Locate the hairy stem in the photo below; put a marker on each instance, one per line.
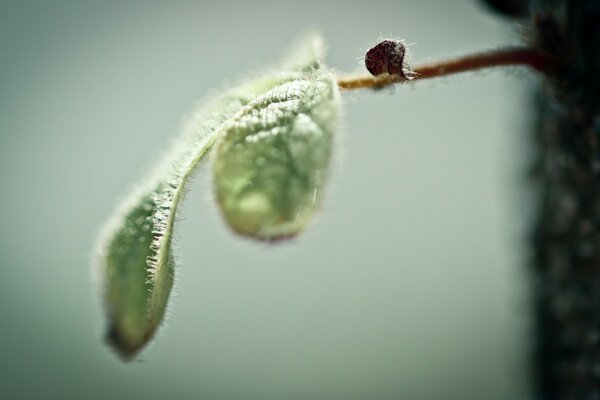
(523, 56)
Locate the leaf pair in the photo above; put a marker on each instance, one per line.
(272, 142)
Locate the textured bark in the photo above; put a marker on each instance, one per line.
(565, 269)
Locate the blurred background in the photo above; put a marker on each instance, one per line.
(411, 283)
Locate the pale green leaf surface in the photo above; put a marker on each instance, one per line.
(135, 259)
(271, 162)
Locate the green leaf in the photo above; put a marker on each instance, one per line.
(135, 258)
(272, 159)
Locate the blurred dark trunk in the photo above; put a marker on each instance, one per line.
(565, 269)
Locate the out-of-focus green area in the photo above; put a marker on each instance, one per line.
(409, 285)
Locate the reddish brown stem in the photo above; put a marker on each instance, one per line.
(523, 56)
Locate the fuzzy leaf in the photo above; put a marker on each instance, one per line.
(135, 259)
(272, 159)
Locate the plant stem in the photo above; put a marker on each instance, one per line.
(523, 56)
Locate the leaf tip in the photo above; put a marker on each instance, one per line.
(123, 347)
(307, 52)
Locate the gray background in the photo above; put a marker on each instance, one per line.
(409, 285)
